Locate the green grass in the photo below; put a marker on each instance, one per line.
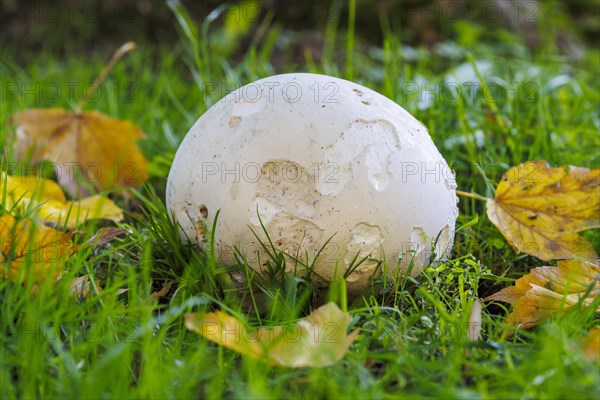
(413, 332)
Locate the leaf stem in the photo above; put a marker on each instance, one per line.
(126, 48)
(471, 195)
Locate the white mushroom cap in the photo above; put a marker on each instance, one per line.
(319, 158)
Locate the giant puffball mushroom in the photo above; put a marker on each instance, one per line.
(330, 169)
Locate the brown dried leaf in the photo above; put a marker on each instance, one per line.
(105, 235)
(164, 291)
(100, 149)
(81, 287)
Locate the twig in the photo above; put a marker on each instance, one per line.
(126, 48)
(471, 195)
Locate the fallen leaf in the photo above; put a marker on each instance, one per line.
(89, 145)
(590, 345)
(545, 291)
(44, 250)
(105, 235)
(162, 292)
(475, 321)
(318, 340)
(81, 287)
(39, 247)
(540, 210)
(25, 191)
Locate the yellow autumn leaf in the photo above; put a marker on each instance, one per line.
(89, 145)
(42, 249)
(26, 243)
(540, 210)
(545, 291)
(25, 191)
(318, 340)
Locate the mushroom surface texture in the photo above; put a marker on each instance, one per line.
(329, 168)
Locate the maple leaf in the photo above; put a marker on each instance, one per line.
(41, 248)
(89, 145)
(545, 291)
(25, 191)
(318, 340)
(540, 210)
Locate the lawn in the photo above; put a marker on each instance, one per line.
(493, 92)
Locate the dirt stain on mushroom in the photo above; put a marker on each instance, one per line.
(234, 121)
(234, 191)
(289, 186)
(197, 220)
